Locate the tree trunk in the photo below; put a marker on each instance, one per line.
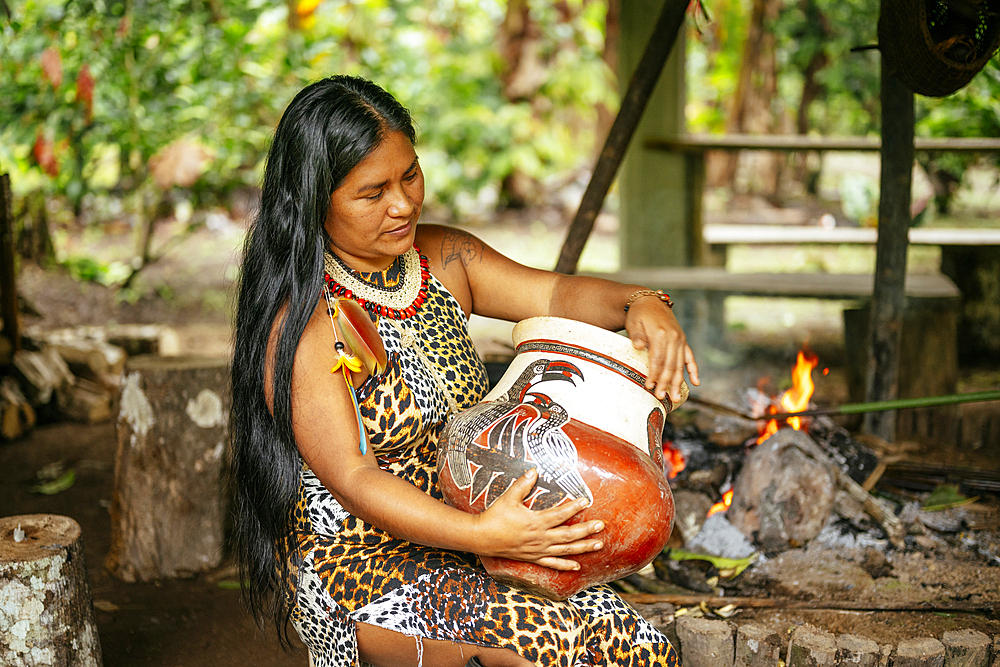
(47, 615)
(519, 41)
(612, 33)
(8, 273)
(33, 240)
(523, 73)
(294, 23)
(756, 89)
(167, 510)
(812, 90)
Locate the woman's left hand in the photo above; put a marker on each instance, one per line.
(652, 326)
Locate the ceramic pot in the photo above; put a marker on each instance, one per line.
(573, 405)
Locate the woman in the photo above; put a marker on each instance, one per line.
(353, 543)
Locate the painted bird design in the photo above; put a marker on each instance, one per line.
(552, 450)
(459, 433)
(528, 436)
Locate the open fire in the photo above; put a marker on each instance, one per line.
(795, 399)
(799, 519)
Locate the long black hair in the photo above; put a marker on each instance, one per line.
(328, 128)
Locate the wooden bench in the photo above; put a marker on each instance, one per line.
(699, 291)
(929, 330)
(969, 257)
(699, 143)
(719, 236)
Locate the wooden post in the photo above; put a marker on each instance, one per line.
(705, 642)
(8, 274)
(966, 648)
(167, 509)
(661, 43)
(757, 646)
(857, 651)
(46, 610)
(888, 297)
(810, 647)
(920, 652)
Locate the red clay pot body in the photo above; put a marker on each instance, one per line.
(573, 405)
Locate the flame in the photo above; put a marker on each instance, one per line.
(722, 505)
(797, 398)
(673, 459)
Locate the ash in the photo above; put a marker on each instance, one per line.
(836, 536)
(718, 537)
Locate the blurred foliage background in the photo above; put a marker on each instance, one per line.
(139, 109)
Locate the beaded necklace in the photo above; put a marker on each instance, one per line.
(396, 292)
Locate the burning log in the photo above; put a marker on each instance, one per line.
(785, 492)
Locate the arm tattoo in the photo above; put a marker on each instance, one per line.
(460, 246)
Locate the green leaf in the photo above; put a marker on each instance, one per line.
(57, 485)
(722, 564)
(946, 496)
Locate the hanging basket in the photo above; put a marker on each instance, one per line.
(912, 54)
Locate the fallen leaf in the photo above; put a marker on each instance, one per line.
(57, 485)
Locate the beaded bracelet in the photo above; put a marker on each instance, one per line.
(665, 298)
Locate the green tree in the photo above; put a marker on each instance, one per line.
(97, 89)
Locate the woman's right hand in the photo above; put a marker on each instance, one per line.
(508, 529)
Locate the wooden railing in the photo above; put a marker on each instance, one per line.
(694, 143)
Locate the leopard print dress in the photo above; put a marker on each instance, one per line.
(349, 572)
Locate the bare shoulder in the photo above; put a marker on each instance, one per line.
(450, 252)
(449, 248)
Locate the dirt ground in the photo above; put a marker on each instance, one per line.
(199, 622)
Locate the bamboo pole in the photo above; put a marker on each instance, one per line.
(895, 404)
(859, 408)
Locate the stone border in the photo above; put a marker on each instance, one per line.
(704, 642)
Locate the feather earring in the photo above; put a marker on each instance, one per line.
(353, 324)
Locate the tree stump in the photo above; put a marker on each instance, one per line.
(46, 610)
(757, 646)
(966, 648)
(705, 642)
(920, 652)
(860, 651)
(167, 511)
(811, 647)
